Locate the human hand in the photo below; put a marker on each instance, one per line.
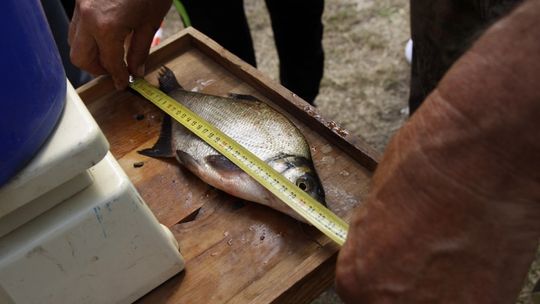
(103, 31)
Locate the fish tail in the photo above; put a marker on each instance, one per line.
(167, 80)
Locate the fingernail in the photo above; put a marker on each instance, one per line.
(140, 70)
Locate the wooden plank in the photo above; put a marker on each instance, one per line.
(236, 252)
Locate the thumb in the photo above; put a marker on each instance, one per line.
(138, 49)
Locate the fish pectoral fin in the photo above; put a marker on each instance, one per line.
(222, 164)
(167, 80)
(162, 148)
(243, 97)
(188, 161)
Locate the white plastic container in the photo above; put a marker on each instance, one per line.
(101, 246)
(76, 145)
(72, 231)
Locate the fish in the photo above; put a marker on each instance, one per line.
(262, 130)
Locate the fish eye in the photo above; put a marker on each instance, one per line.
(304, 183)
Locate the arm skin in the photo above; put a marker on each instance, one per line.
(102, 30)
(453, 215)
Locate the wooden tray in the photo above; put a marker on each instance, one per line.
(236, 252)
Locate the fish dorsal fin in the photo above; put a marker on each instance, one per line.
(243, 97)
(167, 80)
(162, 148)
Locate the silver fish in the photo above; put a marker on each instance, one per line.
(252, 123)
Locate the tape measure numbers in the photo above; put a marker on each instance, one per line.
(310, 209)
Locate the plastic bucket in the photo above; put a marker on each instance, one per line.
(32, 84)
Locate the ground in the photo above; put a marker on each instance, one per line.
(366, 80)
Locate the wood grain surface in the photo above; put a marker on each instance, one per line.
(235, 251)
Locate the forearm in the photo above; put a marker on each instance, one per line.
(454, 210)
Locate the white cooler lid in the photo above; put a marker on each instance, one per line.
(76, 145)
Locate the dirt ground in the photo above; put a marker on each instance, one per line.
(366, 79)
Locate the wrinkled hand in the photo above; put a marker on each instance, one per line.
(102, 31)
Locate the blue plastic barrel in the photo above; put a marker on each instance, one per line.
(32, 84)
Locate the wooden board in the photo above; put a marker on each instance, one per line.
(235, 251)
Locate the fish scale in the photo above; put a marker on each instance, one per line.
(257, 118)
(279, 186)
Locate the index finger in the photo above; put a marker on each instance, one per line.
(111, 55)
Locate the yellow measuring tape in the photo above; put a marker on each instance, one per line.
(310, 209)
